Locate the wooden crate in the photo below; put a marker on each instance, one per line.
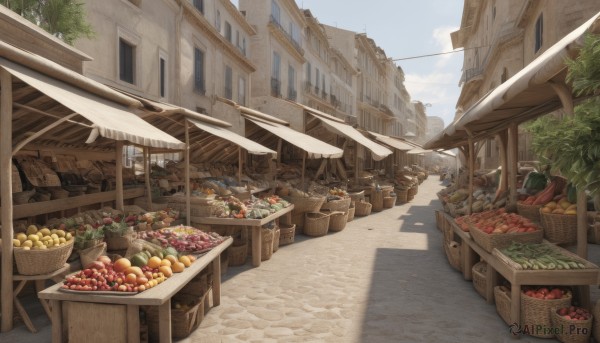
(107, 323)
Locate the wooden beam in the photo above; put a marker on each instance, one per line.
(188, 190)
(239, 164)
(35, 110)
(119, 175)
(147, 171)
(303, 169)
(37, 134)
(502, 139)
(471, 172)
(513, 159)
(279, 143)
(6, 213)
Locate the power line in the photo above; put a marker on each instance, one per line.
(421, 56)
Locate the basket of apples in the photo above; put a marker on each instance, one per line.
(573, 324)
(536, 307)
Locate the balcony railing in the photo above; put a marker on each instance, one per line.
(471, 73)
(275, 87)
(324, 95)
(292, 94)
(296, 44)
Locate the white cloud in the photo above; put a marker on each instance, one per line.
(441, 36)
(437, 88)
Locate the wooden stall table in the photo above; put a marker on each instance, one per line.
(159, 296)
(517, 278)
(255, 224)
(40, 283)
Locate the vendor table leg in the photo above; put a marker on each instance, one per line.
(56, 321)
(491, 278)
(515, 303)
(216, 288)
(20, 308)
(133, 324)
(164, 322)
(39, 286)
(469, 260)
(584, 297)
(256, 246)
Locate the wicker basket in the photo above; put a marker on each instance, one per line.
(401, 196)
(412, 191)
(502, 240)
(362, 208)
(357, 196)
(376, 199)
(389, 202)
(559, 228)
(266, 251)
(479, 277)
(337, 205)
(20, 198)
(531, 212)
(453, 254)
(17, 185)
(38, 262)
(596, 326)
(276, 236)
(387, 191)
(286, 234)
(316, 224)
(183, 320)
(351, 212)
(573, 331)
(503, 302)
(537, 313)
(90, 255)
(117, 242)
(303, 205)
(337, 220)
(237, 254)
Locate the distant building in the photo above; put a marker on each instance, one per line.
(434, 126)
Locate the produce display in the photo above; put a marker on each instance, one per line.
(482, 200)
(41, 239)
(541, 256)
(496, 222)
(255, 208)
(547, 293)
(574, 313)
(562, 206)
(553, 191)
(182, 239)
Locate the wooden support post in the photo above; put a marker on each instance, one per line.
(513, 160)
(240, 164)
(6, 214)
(188, 190)
(356, 162)
(471, 172)
(279, 143)
(503, 140)
(147, 179)
(119, 175)
(303, 168)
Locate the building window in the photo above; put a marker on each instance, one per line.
(275, 12)
(317, 77)
(162, 65)
(237, 39)
(199, 4)
(291, 83)
(539, 32)
(126, 61)
(199, 70)
(228, 31)
(218, 21)
(275, 75)
(242, 91)
(308, 74)
(228, 83)
(244, 45)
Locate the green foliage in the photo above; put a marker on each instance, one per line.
(62, 18)
(572, 145)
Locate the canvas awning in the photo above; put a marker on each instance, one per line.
(526, 95)
(314, 147)
(109, 119)
(393, 142)
(251, 146)
(378, 152)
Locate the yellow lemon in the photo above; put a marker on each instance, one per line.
(27, 244)
(33, 237)
(16, 243)
(60, 233)
(32, 229)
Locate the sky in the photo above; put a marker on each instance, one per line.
(407, 28)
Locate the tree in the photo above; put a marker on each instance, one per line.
(572, 145)
(62, 18)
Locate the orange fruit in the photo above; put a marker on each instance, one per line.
(185, 260)
(178, 267)
(172, 258)
(165, 262)
(154, 262)
(121, 264)
(131, 278)
(134, 270)
(166, 270)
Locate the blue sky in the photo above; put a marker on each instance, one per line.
(407, 28)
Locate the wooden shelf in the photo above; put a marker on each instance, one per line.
(242, 222)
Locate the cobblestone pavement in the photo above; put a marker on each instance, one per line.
(384, 278)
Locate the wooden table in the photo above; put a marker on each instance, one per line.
(157, 296)
(517, 278)
(255, 224)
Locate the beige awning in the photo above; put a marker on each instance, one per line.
(417, 150)
(314, 147)
(109, 119)
(393, 142)
(378, 152)
(251, 146)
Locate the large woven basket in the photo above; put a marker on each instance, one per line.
(389, 202)
(337, 220)
(117, 242)
(337, 205)
(38, 262)
(316, 224)
(502, 240)
(559, 228)
(596, 326)
(376, 199)
(575, 331)
(362, 208)
(20, 198)
(537, 313)
(503, 302)
(412, 191)
(387, 190)
(287, 234)
(453, 254)
(401, 196)
(17, 185)
(479, 277)
(183, 320)
(237, 254)
(303, 205)
(266, 251)
(531, 212)
(357, 196)
(276, 236)
(351, 212)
